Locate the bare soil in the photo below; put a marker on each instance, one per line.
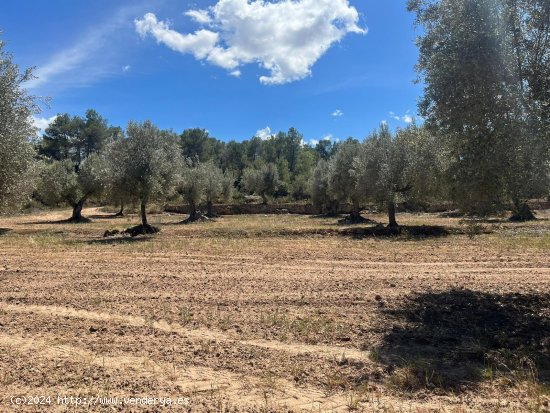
(276, 313)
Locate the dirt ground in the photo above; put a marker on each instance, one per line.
(274, 313)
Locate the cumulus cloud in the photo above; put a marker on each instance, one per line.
(264, 134)
(42, 123)
(200, 44)
(126, 68)
(407, 118)
(286, 37)
(337, 113)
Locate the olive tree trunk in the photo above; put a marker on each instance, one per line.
(144, 214)
(210, 209)
(77, 211)
(391, 215)
(522, 212)
(193, 214)
(355, 215)
(120, 213)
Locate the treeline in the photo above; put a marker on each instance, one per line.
(81, 158)
(84, 157)
(483, 146)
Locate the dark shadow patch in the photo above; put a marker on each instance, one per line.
(455, 339)
(325, 216)
(351, 220)
(4, 231)
(105, 217)
(196, 219)
(141, 230)
(118, 240)
(62, 221)
(405, 232)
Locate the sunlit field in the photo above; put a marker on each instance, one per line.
(276, 313)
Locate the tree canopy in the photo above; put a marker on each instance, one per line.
(16, 132)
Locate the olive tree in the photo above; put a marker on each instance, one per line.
(61, 182)
(263, 181)
(342, 181)
(118, 188)
(16, 129)
(321, 197)
(149, 161)
(191, 185)
(484, 64)
(395, 168)
(218, 186)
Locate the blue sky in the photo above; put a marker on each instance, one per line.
(234, 67)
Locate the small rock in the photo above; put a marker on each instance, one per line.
(378, 298)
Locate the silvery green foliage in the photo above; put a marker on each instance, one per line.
(263, 181)
(408, 166)
(379, 165)
(213, 182)
(148, 162)
(228, 187)
(485, 65)
(60, 182)
(218, 186)
(118, 187)
(319, 187)
(192, 183)
(342, 181)
(16, 129)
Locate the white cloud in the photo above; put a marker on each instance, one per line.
(235, 73)
(200, 16)
(42, 123)
(394, 116)
(286, 37)
(407, 118)
(328, 137)
(384, 123)
(200, 43)
(314, 142)
(126, 68)
(337, 113)
(264, 134)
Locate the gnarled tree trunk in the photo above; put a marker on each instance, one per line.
(210, 209)
(144, 228)
(391, 215)
(522, 212)
(355, 215)
(120, 213)
(77, 212)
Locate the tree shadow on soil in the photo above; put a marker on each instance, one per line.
(4, 231)
(60, 221)
(414, 232)
(103, 216)
(118, 241)
(458, 338)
